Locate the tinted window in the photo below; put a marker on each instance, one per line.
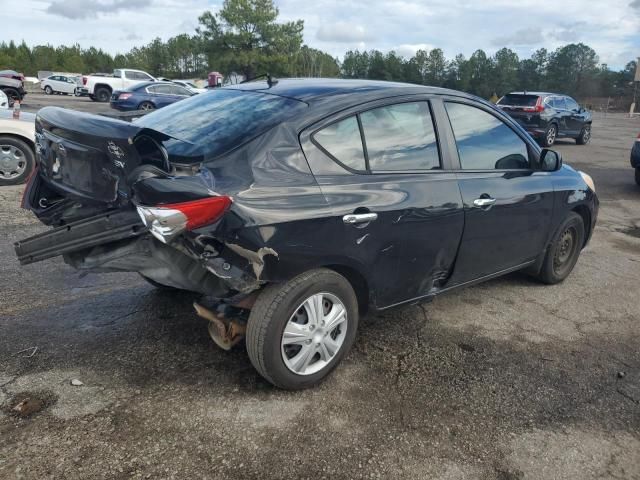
(163, 89)
(518, 100)
(219, 120)
(400, 137)
(572, 104)
(177, 90)
(559, 103)
(485, 142)
(343, 142)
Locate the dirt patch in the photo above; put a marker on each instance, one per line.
(26, 404)
(631, 231)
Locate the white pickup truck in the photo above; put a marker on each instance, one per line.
(100, 86)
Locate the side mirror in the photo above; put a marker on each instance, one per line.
(550, 160)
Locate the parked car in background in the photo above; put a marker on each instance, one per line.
(304, 203)
(17, 147)
(148, 96)
(4, 100)
(189, 86)
(99, 87)
(548, 116)
(12, 84)
(635, 158)
(60, 84)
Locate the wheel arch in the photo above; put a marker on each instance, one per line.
(102, 85)
(357, 281)
(27, 140)
(585, 214)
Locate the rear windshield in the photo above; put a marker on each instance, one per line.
(221, 119)
(519, 100)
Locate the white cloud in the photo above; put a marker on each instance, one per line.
(343, 32)
(408, 50)
(79, 9)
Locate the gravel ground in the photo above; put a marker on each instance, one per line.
(507, 380)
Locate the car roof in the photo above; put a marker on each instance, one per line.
(138, 86)
(537, 93)
(311, 90)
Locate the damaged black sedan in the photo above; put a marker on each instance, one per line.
(297, 205)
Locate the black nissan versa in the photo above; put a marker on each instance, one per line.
(548, 116)
(299, 204)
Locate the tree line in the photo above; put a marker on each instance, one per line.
(245, 37)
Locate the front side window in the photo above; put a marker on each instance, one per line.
(177, 90)
(342, 141)
(559, 103)
(572, 104)
(400, 137)
(484, 141)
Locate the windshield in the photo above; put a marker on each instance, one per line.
(519, 100)
(221, 119)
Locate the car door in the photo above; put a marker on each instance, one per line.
(508, 202)
(576, 117)
(563, 116)
(54, 82)
(396, 212)
(65, 85)
(163, 95)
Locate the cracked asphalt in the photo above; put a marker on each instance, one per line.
(507, 380)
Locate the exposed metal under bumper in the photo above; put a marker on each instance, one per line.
(101, 229)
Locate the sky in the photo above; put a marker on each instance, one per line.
(611, 27)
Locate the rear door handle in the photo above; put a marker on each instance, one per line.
(484, 202)
(354, 218)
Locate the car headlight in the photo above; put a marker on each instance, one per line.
(588, 180)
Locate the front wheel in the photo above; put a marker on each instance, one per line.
(550, 135)
(564, 250)
(299, 331)
(585, 135)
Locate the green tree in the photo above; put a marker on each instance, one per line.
(245, 37)
(505, 68)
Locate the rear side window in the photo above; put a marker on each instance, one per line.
(221, 119)
(484, 141)
(342, 141)
(400, 137)
(516, 100)
(559, 103)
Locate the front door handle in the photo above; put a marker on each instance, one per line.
(354, 218)
(484, 202)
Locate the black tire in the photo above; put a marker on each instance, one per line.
(13, 95)
(585, 135)
(48, 90)
(638, 175)
(564, 250)
(146, 106)
(272, 311)
(550, 135)
(28, 156)
(103, 94)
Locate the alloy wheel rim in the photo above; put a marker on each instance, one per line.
(551, 136)
(314, 334)
(586, 135)
(564, 250)
(12, 162)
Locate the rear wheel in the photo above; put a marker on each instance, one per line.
(48, 90)
(16, 161)
(13, 95)
(103, 94)
(585, 135)
(550, 135)
(564, 250)
(299, 331)
(146, 106)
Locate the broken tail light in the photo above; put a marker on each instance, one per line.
(165, 222)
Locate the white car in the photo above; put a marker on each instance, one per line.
(99, 87)
(59, 84)
(4, 100)
(189, 86)
(17, 147)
